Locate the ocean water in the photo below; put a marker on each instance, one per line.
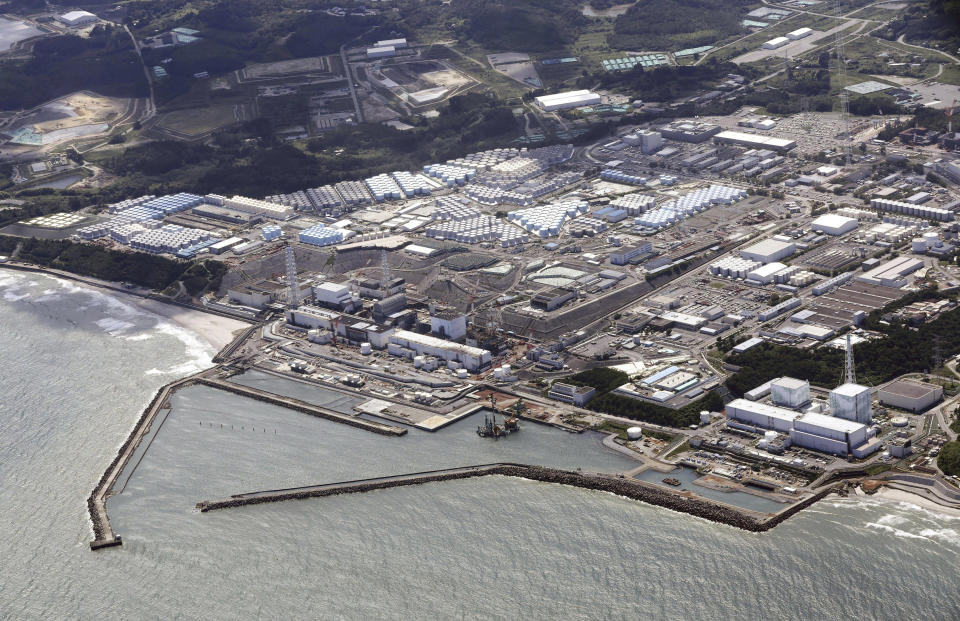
(77, 367)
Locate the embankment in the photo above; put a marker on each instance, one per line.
(683, 502)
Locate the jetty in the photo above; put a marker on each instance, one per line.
(684, 502)
(302, 406)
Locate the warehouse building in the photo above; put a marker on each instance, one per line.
(768, 251)
(799, 33)
(754, 141)
(892, 273)
(775, 43)
(910, 395)
(74, 19)
(566, 100)
(623, 256)
(387, 51)
(552, 299)
(833, 224)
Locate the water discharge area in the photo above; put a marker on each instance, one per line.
(486, 547)
(266, 443)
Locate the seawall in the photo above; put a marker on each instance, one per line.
(626, 487)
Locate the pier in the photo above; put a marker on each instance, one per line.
(302, 406)
(684, 502)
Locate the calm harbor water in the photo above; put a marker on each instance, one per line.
(12, 31)
(78, 367)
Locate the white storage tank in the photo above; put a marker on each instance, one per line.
(635, 433)
(366, 349)
(704, 417)
(462, 374)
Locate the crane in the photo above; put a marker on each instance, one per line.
(950, 116)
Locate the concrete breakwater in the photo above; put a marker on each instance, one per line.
(621, 486)
(302, 406)
(103, 533)
(104, 536)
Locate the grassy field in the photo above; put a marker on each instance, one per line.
(198, 120)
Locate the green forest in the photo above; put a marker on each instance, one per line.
(902, 350)
(153, 271)
(234, 164)
(606, 379)
(675, 24)
(105, 62)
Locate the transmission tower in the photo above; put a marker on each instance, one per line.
(384, 271)
(842, 82)
(293, 298)
(850, 370)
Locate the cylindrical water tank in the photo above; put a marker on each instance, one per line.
(634, 433)
(366, 349)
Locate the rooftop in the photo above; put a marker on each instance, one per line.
(909, 388)
(831, 422)
(850, 390)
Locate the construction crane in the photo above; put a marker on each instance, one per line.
(950, 117)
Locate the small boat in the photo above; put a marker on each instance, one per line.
(672, 481)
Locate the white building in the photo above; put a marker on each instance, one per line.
(409, 344)
(332, 294)
(577, 395)
(761, 415)
(754, 141)
(768, 250)
(396, 44)
(386, 51)
(649, 141)
(799, 33)
(828, 433)
(257, 206)
(910, 395)
(851, 402)
(833, 224)
(790, 392)
(568, 99)
(448, 325)
(77, 18)
(775, 43)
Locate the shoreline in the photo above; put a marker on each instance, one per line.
(886, 492)
(215, 330)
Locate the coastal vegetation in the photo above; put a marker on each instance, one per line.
(675, 24)
(606, 379)
(147, 270)
(949, 458)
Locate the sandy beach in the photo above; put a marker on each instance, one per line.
(889, 493)
(214, 329)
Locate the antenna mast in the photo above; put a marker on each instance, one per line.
(851, 372)
(842, 81)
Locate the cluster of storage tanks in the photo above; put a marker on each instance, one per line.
(271, 232)
(689, 204)
(734, 267)
(635, 204)
(485, 160)
(140, 210)
(171, 239)
(546, 220)
(319, 235)
(383, 188)
(920, 211)
(412, 185)
(450, 174)
(587, 226)
(619, 176)
(480, 228)
(453, 208)
(926, 242)
(496, 196)
(504, 373)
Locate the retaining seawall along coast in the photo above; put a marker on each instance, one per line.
(302, 406)
(628, 488)
(103, 534)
